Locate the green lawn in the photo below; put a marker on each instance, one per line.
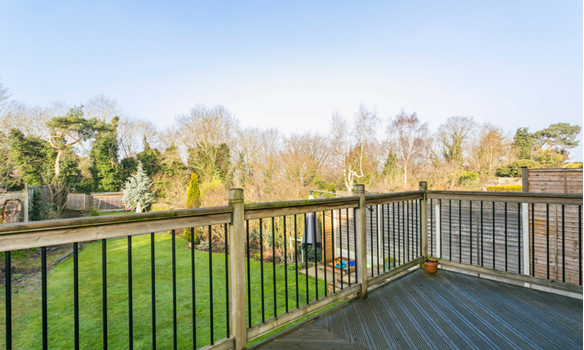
(27, 333)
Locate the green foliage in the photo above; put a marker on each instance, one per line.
(33, 156)
(171, 163)
(212, 163)
(85, 187)
(197, 236)
(93, 212)
(574, 165)
(390, 167)
(137, 190)
(524, 143)
(74, 127)
(468, 177)
(561, 135)
(510, 188)
(150, 159)
(514, 169)
(194, 193)
(551, 157)
(129, 166)
(36, 207)
(105, 170)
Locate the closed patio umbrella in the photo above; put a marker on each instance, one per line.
(311, 235)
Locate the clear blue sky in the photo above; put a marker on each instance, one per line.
(291, 64)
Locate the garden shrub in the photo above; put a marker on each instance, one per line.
(510, 188)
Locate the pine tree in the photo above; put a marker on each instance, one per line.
(137, 193)
(194, 193)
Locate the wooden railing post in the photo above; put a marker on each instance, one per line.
(237, 269)
(361, 232)
(424, 218)
(525, 223)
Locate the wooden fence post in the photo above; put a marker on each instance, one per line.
(423, 185)
(361, 232)
(525, 223)
(237, 269)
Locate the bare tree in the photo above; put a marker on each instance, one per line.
(408, 139)
(205, 129)
(350, 146)
(490, 150)
(102, 108)
(301, 162)
(131, 134)
(453, 137)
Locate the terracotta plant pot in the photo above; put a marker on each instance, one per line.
(431, 265)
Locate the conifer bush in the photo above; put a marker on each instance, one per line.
(137, 192)
(194, 193)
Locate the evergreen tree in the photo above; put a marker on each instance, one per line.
(210, 163)
(36, 208)
(105, 170)
(33, 156)
(523, 142)
(150, 159)
(194, 193)
(137, 192)
(129, 166)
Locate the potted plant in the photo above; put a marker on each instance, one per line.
(389, 263)
(431, 264)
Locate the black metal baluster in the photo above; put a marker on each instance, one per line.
(563, 244)
(407, 203)
(505, 236)
(104, 290)
(296, 255)
(211, 285)
(580, 243)
(494, 236)
(482, 238)
(348, 248)
(285, 264)
(547, 237)
(340, 248)
(460, 231)
(306, 256)
(450, 228)
(533, 239)
(324, 252)
(8, 299)
(248, 276)
(357, 261)
(382, 236)
(519, 238)
(153, 287)
(44, 297)
(371, 239)
(315, 246)
(399, 250)
(418, 235)
(470, 220)
(193, 290)
(76, 292)
(377, 218)
(431, 228)
(274, 265)
(393, 233)
(226, 280)
(262, 269)
(174, 315)
(441, 226)
(130, 296)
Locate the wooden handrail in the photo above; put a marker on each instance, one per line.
(518, 197)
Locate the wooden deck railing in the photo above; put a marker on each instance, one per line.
(271, 279)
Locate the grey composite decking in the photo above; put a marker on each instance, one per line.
(451, 311)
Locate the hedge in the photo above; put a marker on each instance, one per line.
(511, 188)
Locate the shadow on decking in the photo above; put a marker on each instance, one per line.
(445, 311)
